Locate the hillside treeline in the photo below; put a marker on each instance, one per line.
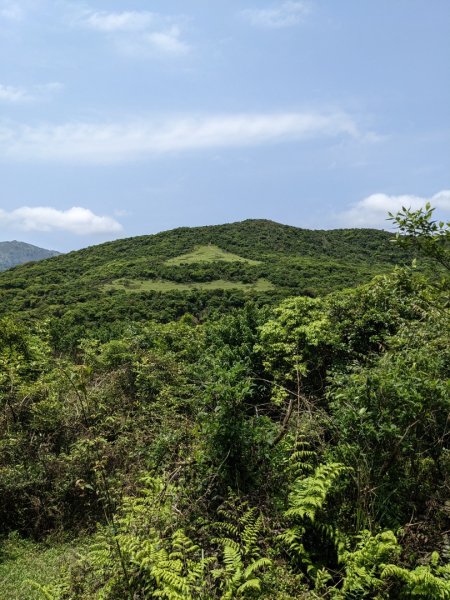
(97, 291)
(291, 451)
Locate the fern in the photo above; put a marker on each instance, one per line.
(425, 581)
(361, 577)
(367, 570)
(48, 592)
(249, 585)
(299, 461)
(309, 494)
(234, 579)
(241, 528)
(306, 502)
(171, 567)
(243, 563)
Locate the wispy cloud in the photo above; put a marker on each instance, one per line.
(372, 211)
(17, 95)
(168, 42)
(9, 93)
(77, 220)
(109, 143)
(123, 21)
(286, 14)
(12, 11)
(138, 33)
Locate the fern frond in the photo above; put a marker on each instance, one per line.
(250, 584)
(309, 494)
(222, 541)
(227, 527)
(231, 558)
(257, 565)
(420, 582)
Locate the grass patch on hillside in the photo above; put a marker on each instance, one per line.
(208, 253)
(151, 285)
(23, 562)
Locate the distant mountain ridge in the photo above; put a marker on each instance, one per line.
(193, 270)
(17, 253)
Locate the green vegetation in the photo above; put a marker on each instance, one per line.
(23, 563)
(133, 286)
(208, 253)
(84, 294)
(258, 446)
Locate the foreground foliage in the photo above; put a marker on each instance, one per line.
(300, 451)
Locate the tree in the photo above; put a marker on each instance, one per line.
(431, 238)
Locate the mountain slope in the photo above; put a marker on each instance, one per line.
(16, 253)
(193, 270)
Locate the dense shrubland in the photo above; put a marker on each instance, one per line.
(295, 451)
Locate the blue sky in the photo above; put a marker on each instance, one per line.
(128, 118)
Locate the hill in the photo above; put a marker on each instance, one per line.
(194, 270)
(16, 253)
(251, 452)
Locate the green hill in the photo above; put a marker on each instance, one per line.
(193, 270)
(264, 451)
(16, 253)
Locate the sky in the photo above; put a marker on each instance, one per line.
(123, 118)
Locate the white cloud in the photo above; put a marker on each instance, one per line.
(286, 14)
(441, 200)
(78, 220)
(16, 95)
(138, 33)
(372, 211)
(168, 42)
(109, 143)
(12, 11)
(123, 21)
(9, 93)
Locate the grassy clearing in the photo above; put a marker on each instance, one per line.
(23, 562)
(134, 286)
(208, 253)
